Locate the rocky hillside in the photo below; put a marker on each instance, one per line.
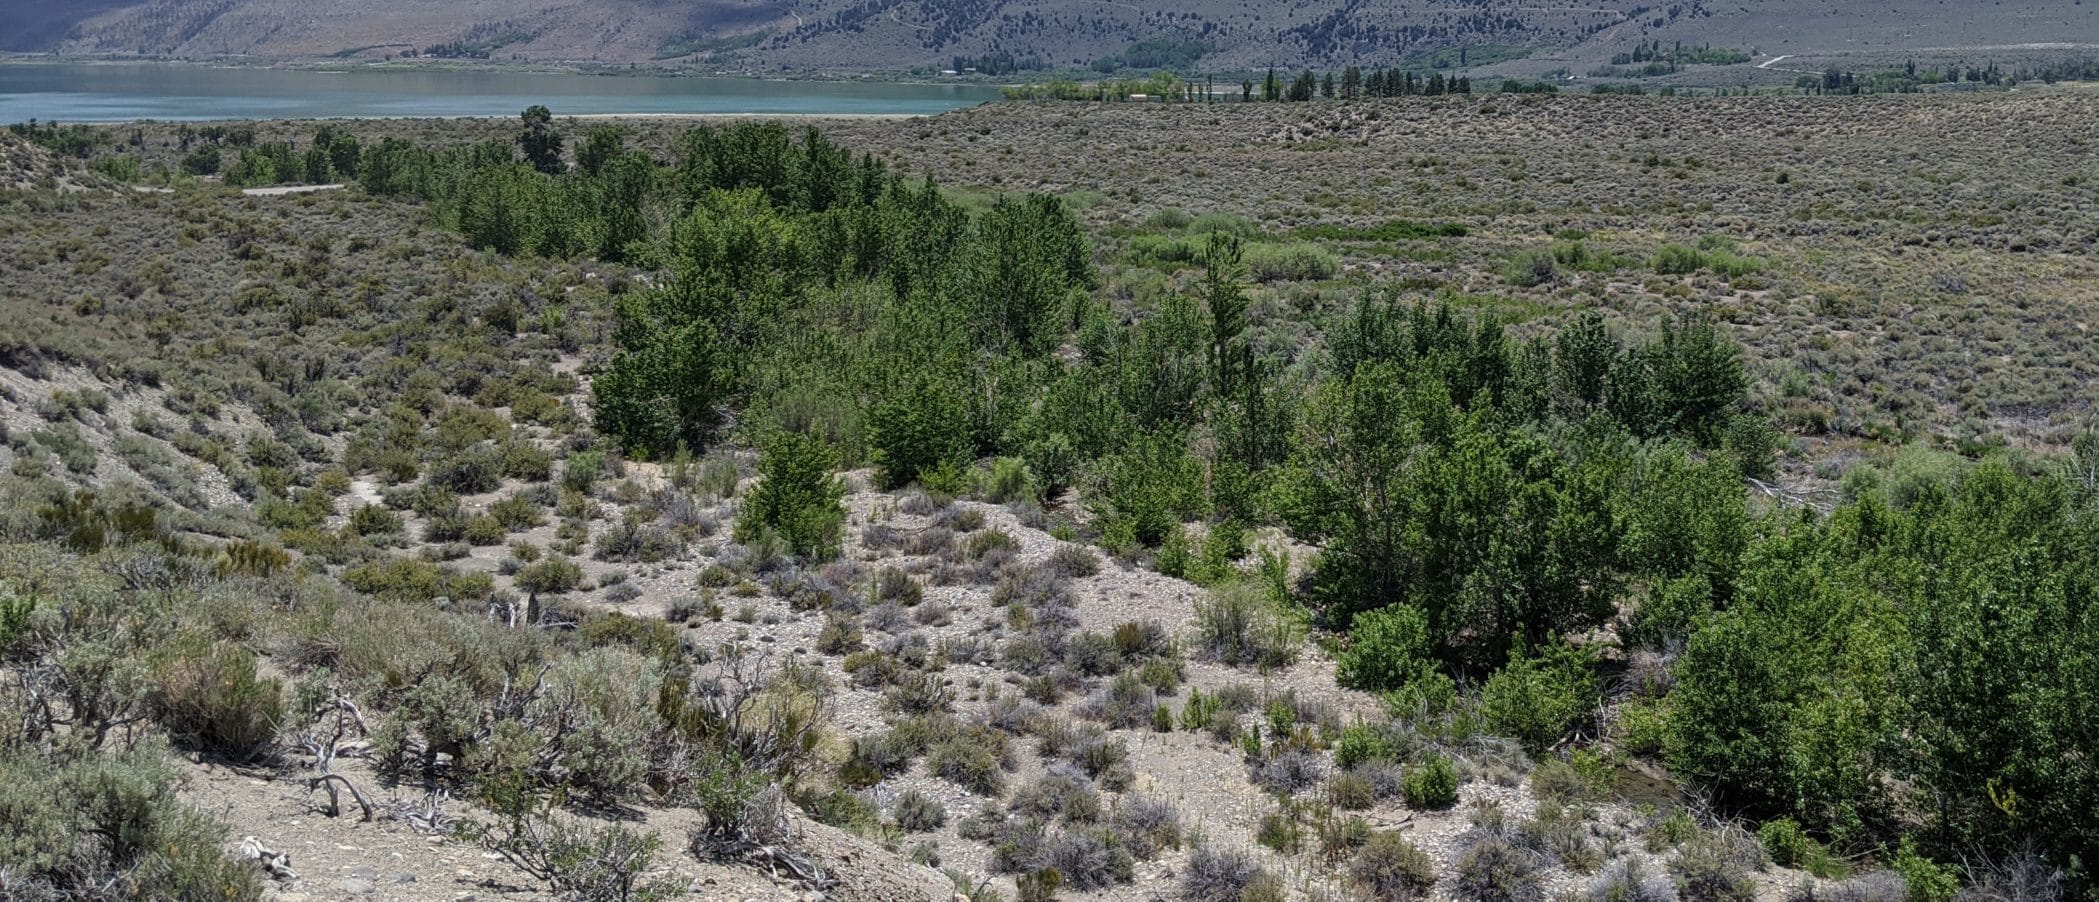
(26, 166)
(1002, 36)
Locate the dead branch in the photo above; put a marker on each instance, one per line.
(327, 783)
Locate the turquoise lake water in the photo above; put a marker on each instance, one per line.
(98, 92)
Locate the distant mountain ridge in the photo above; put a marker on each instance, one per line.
(1001, 36)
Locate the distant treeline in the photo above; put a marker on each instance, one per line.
(1652, 59)
(1910, 79)
(1353, 83)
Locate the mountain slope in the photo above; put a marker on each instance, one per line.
(1212, 35)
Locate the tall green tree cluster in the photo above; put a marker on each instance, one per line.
(1935, 665)
(334, 155)
(1489, 484)
(522, 197)
(811, 293)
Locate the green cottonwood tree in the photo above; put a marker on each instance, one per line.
(540, 142)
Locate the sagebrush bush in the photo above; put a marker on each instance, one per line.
(1711, 869)
(872, 759)
(1219, 875)
(973, 762)
(1103, 757)
(1093, 654)
(916, 812)
(1056, 795)
(1147, 826)
(576, 859)
(1391, 869)
(596, 724)
(1561, 833)
(1279, 830)
(1236, 624)
(1125, 704)
(1531, 268)
(1628, 881)
(1073, 561)
(628, 541)
(1038, 886)
(1585, 778)
(107, 824)
(1350, 791)
(919, 692)
(894, 585)
(1889, 886)
(1290, 772)
(1163, 675)
(208, 697)
(840, 636)
(468, 472)
(1494, 871)
(1340, 837)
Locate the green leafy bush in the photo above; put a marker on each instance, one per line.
(919, 427)
(1538, 697)
(1290, 262)
(1927, 880)
(1362, 744)
(1387, 648)
(412, 580)
(1677, 260)
(1530, 269)
(554, 575)
(797, 497)
(1151, 487)
(1431, 784)
(374, 520)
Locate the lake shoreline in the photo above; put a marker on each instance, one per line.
(119, 92)
(499, 67)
